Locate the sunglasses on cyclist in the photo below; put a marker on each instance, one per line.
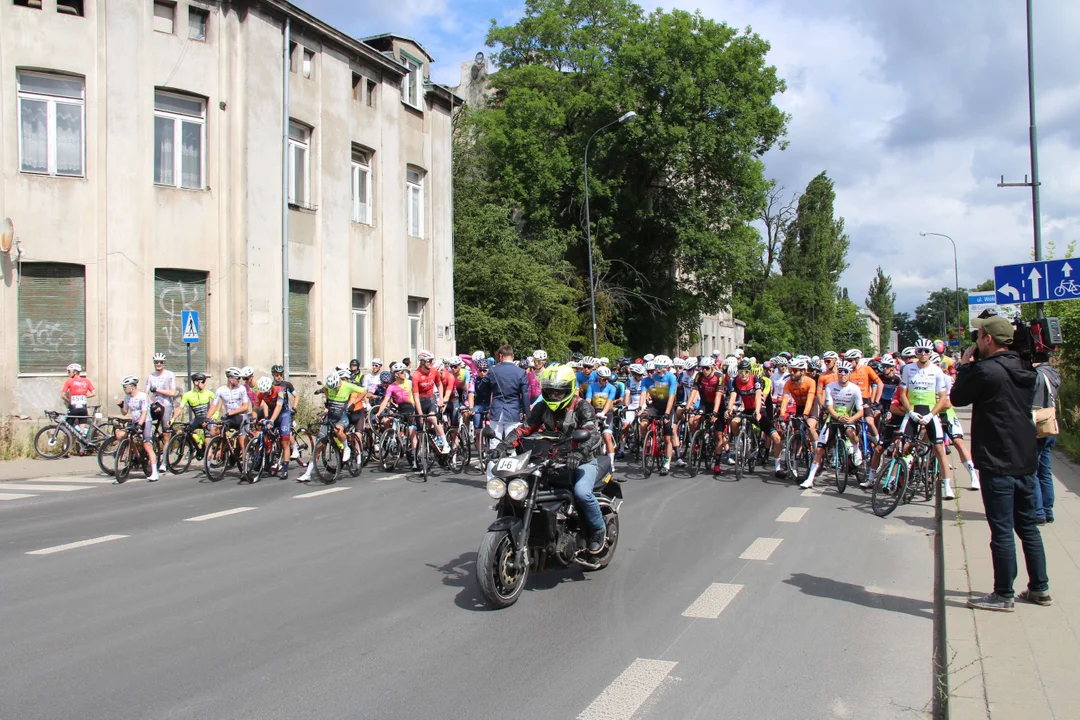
(922, 351)
(843, 372)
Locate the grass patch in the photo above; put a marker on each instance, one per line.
(1069, 417)
(16, 441)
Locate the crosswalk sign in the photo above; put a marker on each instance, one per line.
(189, 320)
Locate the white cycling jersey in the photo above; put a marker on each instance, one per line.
(136, 404)
(923, 384)
(778, 380)
(165, 381)
(846, 400)
(232, 398)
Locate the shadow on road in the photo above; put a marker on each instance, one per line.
(859, 595)
(469, 482)
(461, 573)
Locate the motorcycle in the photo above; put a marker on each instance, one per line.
(538, 525)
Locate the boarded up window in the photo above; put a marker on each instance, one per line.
(174, 292)
(299, 326)
(52, 317)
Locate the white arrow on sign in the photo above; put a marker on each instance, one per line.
(1009, 290)
(1067, 270)
(1035, 277)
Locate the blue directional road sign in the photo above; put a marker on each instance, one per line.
(1038, 281)
(189, 321)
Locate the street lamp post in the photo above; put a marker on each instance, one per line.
(588, 225)
(956, 274)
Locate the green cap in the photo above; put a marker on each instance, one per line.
(996, 327)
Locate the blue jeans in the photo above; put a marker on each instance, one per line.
(584, 480)
(1044, 488)
(1009, 502)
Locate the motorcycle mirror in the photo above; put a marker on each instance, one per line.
(580, 435)
(488, 432)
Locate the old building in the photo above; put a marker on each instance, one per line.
(157, 156)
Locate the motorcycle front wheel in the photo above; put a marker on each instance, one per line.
(501, 581)
(612, 538)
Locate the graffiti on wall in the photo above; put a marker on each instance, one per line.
(174, 297)
(47, 340)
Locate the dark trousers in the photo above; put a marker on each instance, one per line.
(1009, 502)
(1044, 488)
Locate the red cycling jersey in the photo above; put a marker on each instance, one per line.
(424, 383)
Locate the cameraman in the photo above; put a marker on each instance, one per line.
(1000, 387)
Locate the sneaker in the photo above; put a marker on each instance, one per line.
(283, 473)
(868, 484)
(680, 463)
(597, 543)
(975, 484)
(991, 601)
(163, 467)
(199, 453)
(730, 460)
(806, 484)
(255, 478)
(444, 448)
(665, 468)
(154, 477)
(716, 469)
(948, 493)
(346, 454)
(779, 472)
(1035, 596)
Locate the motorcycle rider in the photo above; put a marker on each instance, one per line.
(561, 411)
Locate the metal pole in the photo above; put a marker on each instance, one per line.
(956, 275)
(285, 196)
(941, 669)
(588, 234)
(188, 345)
(1033, 136)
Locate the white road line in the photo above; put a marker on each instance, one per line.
(713, 601)
(622, 698)
(44, 488)
(397, 476)
(761, 549)
(70, 479)
(72, 546)
(15, 496)
(317, 493)
(811, 492)
(792, 514)
(223, 513)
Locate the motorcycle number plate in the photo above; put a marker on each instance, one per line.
(507, 464)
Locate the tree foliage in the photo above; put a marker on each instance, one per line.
(938, 316)
(906, 332)
(882, 301)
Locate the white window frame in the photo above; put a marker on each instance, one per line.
(164, 4)
(197, 11)
(417, 319)
(414, 194)
(51, 102)
(296, 144)
(178, 120)
(362, 212)
(412, 83)
(366, 314)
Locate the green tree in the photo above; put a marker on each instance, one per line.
(849, 327)
(767, 328)
(882, 301)
(938, 316)
(906, 332)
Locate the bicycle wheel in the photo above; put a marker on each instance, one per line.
(459, 452)
(178, 453)
(392, 451)
(841, 465)
(889, 487)
(356, 456)
(254, 457)
(752, 450)
(52, 442)
(796, 455)
(122, 460)
(649, 452)
(216, 458)
(427, 455)
(327, 461)
(694, 461)
(740, 452)
(304, 443)
(96, 435)
(933, 476)
(106, 455)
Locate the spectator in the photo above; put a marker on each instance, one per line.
(995, 382)
(1046, 389)
(509, 393)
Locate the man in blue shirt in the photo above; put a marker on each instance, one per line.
(602, 395)
(509, 394)
(661, 389)
(482, 390)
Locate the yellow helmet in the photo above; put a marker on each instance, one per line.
(558, 386)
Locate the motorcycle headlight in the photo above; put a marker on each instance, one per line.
(496, 488)
(519, 489)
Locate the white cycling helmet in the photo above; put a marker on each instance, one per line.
(650, 366)
(637, 368)
(649, 357)
(398, 367)
(247, 371)
(343, 374)
(662, 362)
(707, 361)
(232, 372)
(678, 362)
(265, 384)
(159, 357)
(74, 367)
(799, 364)
(333, 381)
(853, 354)
(716, 353)
(843, 366)
(129, 380)
(478, 356)
(376, 361)
(739, 352)
(925, 344)
(540, 355)
(908, 352)
(423, 356)
(574, 365)
(603, 361)
(888, 361)
(603, 372)
(690, 363)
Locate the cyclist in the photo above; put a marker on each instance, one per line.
(136, 406)
(161, 387)
(233, 398)
(356, 375)
(843, 403)
(950, 424)
(481, 404)
(274, 402)
(75, 392)
(828, 375)
(706, 396)
(396, 394)
(890, 380)
(341, 398)
(923, 396)
(247, 381)
(869, 384)
(801, 391)
(602, 396)
(633, 402)
(749, 390)
(660, 390)
(198, 400)
(426, 394)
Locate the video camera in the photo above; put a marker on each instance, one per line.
(1029, 339)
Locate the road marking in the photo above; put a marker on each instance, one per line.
(713, 601)
(44, 488)
(811, 492)
(761, 549)
(397, 476)
(223, 513)
(792, 514)
(622, 698)
(15, 496)
(72, 546)
(69, 479)
(317, 493)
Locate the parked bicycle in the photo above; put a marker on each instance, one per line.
(131, 453)
(222, 452)
(63, 436)
(187, 444)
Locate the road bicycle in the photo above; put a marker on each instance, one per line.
(303, 444)
(263, 452)
(798, 448)
(106, 453)
(66, 434)
(745, 444)
(223, 451)
(701, 445)
(890, 484)
(393, 442)
(328, 452)
(186, 445)
(651, 451)
(427, 451)
(131, 452)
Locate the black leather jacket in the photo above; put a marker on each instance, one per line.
(579, 414)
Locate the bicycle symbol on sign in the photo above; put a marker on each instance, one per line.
(1067, 286)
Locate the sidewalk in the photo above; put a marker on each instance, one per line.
(13, 470)
(1024, 664)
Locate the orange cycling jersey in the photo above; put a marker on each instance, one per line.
(823, 380)
(802, 394)
(864, 376)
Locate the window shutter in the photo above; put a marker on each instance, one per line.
(174, 292)
(52, 317)
(299, 326)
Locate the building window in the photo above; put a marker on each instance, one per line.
(357, 87)
(293, 61)
(179, 123)
(361, 186)
(50, 124)
(417, 333)
(372, 93)
(410, 84)
(164, 16)
(299, 325)
(52, 317)
(67, 7)
(174, 292)
(414, 190)
(299, 169)
(198, 19)
(309, 62)
(36, 4)
(361, 313)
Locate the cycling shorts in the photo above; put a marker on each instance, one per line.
(161, 413)
(933, 428)
(823, 436)
(428, 406)
(284, 425)
(199, 422)
(652, 413)
(951, 426)
(148, 430)
(628, 417)
(77, 412)
(235, 422)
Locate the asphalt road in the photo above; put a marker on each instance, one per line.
(362, 603)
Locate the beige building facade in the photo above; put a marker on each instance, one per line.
(144, 165)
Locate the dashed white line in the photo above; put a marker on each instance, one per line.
(397, 476)
(622, 698)
(223, 513)
(792, 514)
(44, 488)
(761, 549)
(713, 601)
(317, 493)
(811, 492)
(15, 496)
(72, 479)
(72, 546)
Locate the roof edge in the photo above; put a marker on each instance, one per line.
(398, 36)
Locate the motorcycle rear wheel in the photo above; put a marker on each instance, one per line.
(500, 585)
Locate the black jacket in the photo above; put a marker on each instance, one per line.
(579, 414)
(1000, 390)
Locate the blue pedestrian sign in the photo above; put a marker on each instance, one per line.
(189, 321)
(1038, 281)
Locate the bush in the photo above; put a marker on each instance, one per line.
(1069, 416)
(16, 440)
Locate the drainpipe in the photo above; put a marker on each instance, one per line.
(285, 195)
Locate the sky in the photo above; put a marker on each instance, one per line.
(915, 109)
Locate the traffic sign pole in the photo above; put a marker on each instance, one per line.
(188, 366)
